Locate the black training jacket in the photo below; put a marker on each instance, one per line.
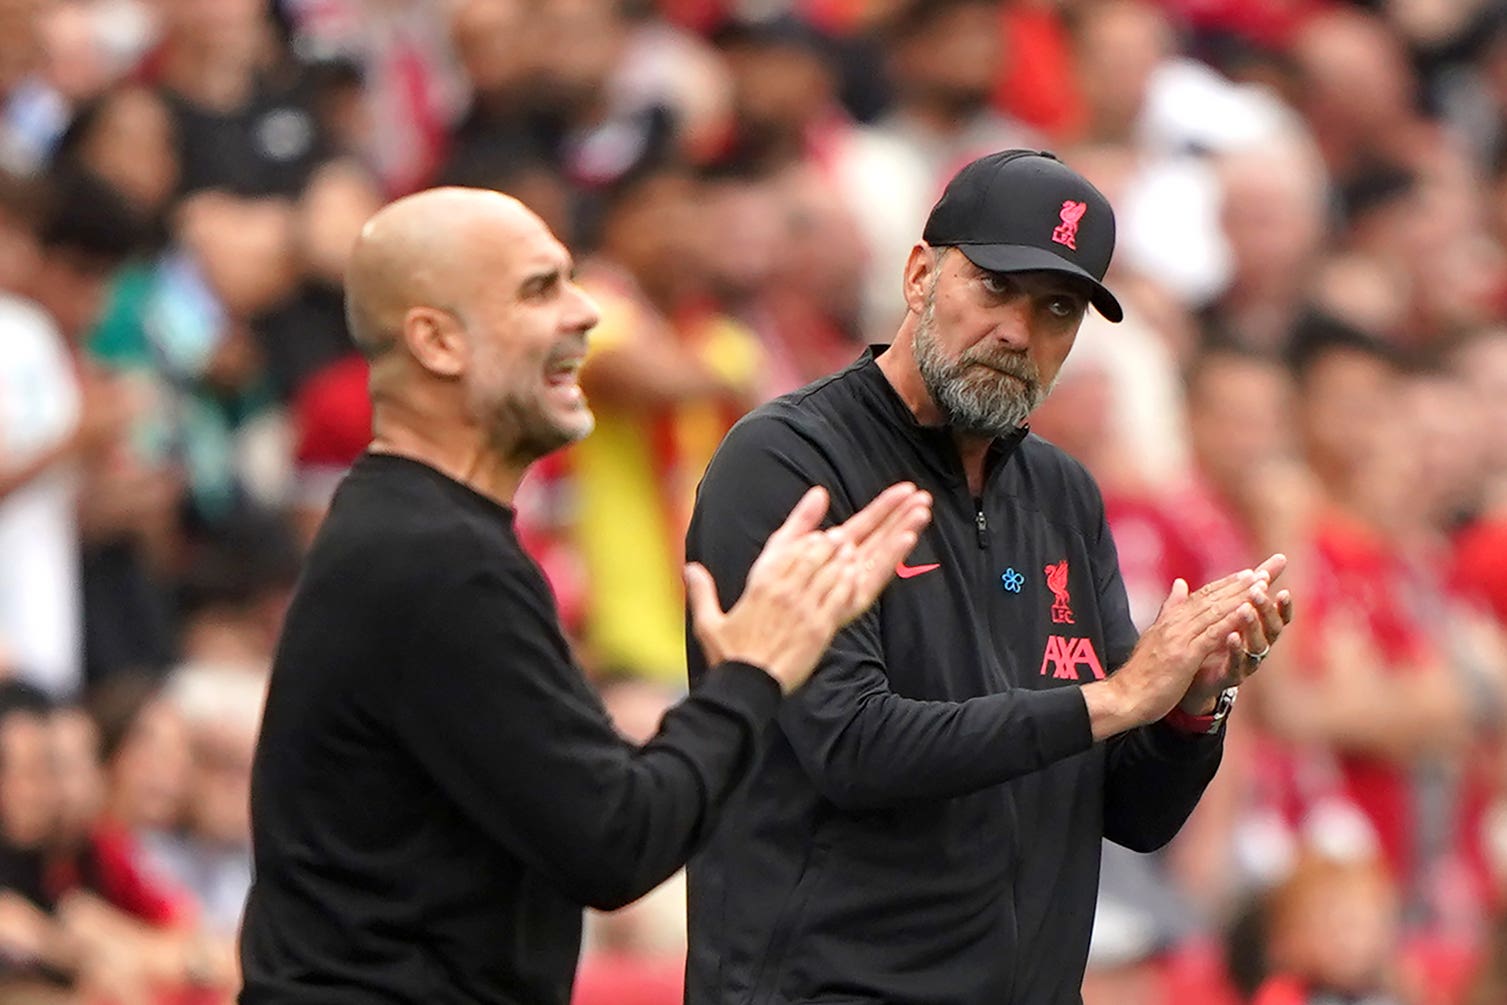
(925, 822)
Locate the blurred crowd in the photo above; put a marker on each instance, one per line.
(1312, 253)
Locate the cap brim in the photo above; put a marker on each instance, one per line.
(1024, 258)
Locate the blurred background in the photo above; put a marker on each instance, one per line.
(1312, 206)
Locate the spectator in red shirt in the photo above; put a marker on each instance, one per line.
(1370, 700)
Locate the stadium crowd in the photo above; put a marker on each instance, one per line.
(1312, 253)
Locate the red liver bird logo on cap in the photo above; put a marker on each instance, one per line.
(1067, 231)
(1062, 609)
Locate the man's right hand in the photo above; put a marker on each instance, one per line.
(1188, 630)
(807, 583)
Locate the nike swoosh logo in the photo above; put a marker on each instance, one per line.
(907, 571)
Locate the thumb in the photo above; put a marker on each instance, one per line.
(701, 596)
(1178, 594)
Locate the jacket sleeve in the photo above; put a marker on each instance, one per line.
(1154, 775)
(863, 746)
(497, 714)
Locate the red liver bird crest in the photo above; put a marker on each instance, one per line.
(1067, 231)
(1062, 610)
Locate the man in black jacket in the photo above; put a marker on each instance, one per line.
(925, 824)
(437, 790)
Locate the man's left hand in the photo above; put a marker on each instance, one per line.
(1246, 649)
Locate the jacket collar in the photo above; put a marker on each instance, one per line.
(934, 445)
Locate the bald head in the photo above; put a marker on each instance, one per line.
(468, 308)
(430, 249)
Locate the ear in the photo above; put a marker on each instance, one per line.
(919, 268)
(437, 340)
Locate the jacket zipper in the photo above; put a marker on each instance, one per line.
(980, 523)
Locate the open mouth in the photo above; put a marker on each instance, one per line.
(564, 372)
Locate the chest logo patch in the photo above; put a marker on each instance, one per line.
(1062, 604)
(1012, 581)
(1064, 656)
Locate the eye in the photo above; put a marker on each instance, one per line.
(542, 287)
(996, 284)
(1062, 307)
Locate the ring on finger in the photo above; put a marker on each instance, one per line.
(1255, 658)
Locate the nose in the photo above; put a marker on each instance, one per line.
(1012, 326)
(582, 315)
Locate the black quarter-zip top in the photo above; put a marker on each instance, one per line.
(925, 821)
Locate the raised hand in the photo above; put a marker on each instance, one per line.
(1248, 645)
(1189, 629)
(882, 534)
(807, 583)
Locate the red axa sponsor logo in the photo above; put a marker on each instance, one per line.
(1062, 604)
(1067, 231)
(1064, 656)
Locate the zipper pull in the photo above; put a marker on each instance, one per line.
(981, 524)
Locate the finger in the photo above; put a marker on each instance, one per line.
(831, 588)
(1253, 637)
(804, 517)
(877, 567)
(808, 555)
(816, 583)
(800, 556)
(1219, 594)
(913, 514)
(863, 523)
(849, 596)
(1197, 616)
(1273, 567)
(889, 543)
(1176, 596)
(1237, 666)
(1212, 601)
(1217, 635)
(1284, 607)
(1223, 582)
(1272, 622)
(1234, 649)
(701, 597)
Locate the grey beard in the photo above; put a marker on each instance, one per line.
(971, 400)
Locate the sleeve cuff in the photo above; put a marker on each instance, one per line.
(1175, 742)
(1191, 725)
(744, 689)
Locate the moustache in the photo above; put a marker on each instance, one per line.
(572, 347)
(1018, 366)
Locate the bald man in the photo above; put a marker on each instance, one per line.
(437, 790)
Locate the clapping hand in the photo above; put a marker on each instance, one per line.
(807, 583)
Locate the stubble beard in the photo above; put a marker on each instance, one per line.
(519, 425)
(973, 400)
(523, 430)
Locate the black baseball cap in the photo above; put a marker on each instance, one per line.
(1026, 211)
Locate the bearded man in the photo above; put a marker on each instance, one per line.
(925, 822)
